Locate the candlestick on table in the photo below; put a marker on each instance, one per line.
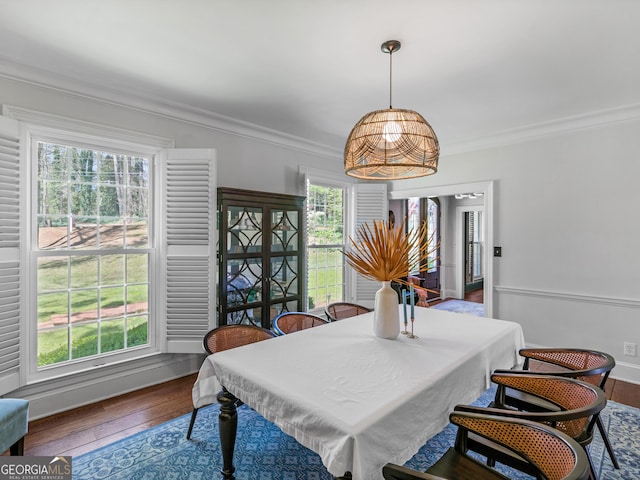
(412, 300)
(404, 308)
(413, 316)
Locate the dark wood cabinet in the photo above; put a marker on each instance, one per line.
(261, 256)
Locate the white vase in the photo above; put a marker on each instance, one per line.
(386, 319)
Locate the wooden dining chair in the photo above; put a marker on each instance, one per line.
(572, 406)
(587, 365)
(226, 337)
(289, 322)
(551, 454)
(339, 310)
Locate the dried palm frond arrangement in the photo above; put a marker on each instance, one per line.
(384, 253)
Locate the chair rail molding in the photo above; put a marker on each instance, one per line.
(573, 297)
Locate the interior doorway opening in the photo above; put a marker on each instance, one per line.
(452, 284)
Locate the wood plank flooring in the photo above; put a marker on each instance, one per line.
(86, 428)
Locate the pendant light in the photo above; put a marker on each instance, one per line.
(391, 144)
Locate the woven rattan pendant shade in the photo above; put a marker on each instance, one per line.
(391, 144)
(371, 152)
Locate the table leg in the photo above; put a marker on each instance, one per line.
(228, 426)
(346, 476)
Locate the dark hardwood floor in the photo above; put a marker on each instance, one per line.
(86, 428)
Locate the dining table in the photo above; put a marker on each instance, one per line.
(357, 400)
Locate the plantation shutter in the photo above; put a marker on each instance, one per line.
(10, 262)
(370, 204)
(189, 247)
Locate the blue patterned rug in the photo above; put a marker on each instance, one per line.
(461, 306)
(264, 452)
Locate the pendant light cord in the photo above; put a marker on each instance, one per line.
(390, 75)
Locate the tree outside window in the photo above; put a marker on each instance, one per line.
(325, 242)
(92, 252)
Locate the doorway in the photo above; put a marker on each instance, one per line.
(452, 260)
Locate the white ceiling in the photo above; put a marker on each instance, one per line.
(312, 69)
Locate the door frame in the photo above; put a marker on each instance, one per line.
(448, 258)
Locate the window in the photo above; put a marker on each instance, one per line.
(325, 242)
(433, 226)
(107, 242)
(421, 210)
(474, 241)
(92, 254)
(336, 206)
(413, 224)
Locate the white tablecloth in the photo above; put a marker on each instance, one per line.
(360, 401)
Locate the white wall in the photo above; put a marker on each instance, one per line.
(566, 216)
(269, 164)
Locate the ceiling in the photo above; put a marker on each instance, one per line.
(312, 69)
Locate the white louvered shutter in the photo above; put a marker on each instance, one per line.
(189, 253)
(10, 263)
(371, 203)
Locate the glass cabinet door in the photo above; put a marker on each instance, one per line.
(284, 269)
(260, 256)
(284, 230)
(244, 291)
(244, 267)
(244, 230)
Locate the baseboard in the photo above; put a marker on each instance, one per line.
(626, 372)
(58, 395)
(448, 294)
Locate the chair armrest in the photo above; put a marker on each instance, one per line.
(395, 472)
(505, 412)
(566, 374)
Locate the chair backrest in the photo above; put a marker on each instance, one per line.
(554, 454)
(231, 336)
(579, 403)
(588, 365)
(289, 322)
(339, 310)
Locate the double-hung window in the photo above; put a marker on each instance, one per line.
(336, 206)
(107, 247)
(92, 251)
(325, 242)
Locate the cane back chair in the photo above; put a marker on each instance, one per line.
(226, 337)
(339, 310)
(289, 322)
(573, 408)
(587, 365)
(552, 455)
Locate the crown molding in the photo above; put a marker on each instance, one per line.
(160, 107)
(89, 129)
(557, 127)
(176, 111)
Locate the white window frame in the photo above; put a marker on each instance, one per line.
(46, 127)
(324, 178)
